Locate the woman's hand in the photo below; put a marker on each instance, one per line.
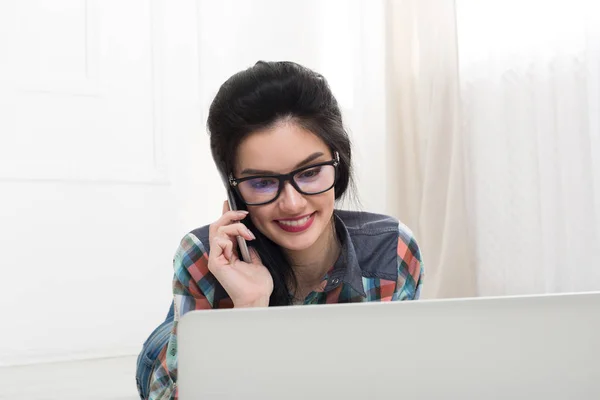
(247, 284)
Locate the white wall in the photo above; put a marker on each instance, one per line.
(104, 158)
(97, 101)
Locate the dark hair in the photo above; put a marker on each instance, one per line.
(257, 98)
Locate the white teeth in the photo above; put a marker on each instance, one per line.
(298, 222)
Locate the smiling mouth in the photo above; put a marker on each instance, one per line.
(296, 225)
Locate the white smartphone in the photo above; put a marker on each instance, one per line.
(242, 245)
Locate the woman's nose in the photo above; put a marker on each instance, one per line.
(290, 200)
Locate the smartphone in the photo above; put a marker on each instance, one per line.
(242, 245)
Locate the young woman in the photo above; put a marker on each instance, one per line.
(276, 133)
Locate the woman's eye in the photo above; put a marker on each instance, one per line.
(310, 173)
(263, 183)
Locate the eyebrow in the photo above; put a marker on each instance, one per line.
(312, 157)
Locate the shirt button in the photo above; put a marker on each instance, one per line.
(335, 281)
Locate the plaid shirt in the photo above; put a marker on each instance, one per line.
(379, 261)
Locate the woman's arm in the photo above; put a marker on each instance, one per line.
(193, 289)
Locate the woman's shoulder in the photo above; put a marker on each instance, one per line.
(376, 235)
(193, 245)
(368, 223)
(385, 248)
(201, 234)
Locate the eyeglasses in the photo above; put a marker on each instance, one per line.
(265, 189)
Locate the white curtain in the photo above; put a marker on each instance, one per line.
(425, 152)
(530, 86)
(495, 136)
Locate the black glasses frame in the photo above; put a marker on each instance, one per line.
(283, 178)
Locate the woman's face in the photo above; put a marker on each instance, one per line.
(294, 221)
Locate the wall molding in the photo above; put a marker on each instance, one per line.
(90, 89)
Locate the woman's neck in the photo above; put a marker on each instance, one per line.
(310, 265)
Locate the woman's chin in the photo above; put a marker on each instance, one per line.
(296, 243)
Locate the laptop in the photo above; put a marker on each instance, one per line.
(530, 347)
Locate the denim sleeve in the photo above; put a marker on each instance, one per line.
(157, 340)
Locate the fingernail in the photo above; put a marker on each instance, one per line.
(250, 233)
(243, 212)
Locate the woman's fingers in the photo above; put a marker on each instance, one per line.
(237, 229)
(223, 233)
(222, 246)
(226, 219)
(230, 217)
